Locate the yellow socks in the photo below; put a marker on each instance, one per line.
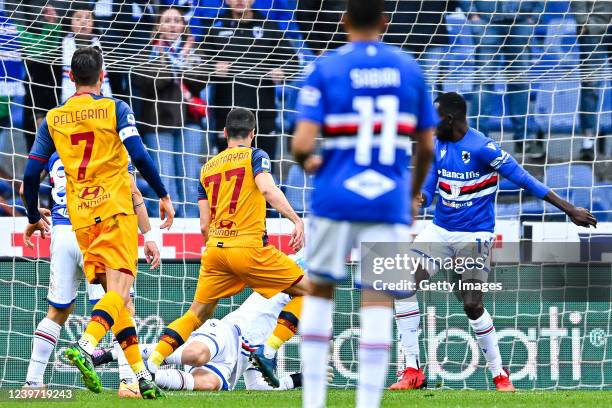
(286, 326)
(173, 337)
(125, 332)
(103, 317)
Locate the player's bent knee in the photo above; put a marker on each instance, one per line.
(59, 315)
(197, 354)
(205, 381)
(300, 288)
(203, 311)
(473, 310)
(324, 290)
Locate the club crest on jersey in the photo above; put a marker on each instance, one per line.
(455, 191)
(442, 153)
(91, 193)
(465, 156)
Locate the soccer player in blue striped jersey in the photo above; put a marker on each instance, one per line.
(368, 100)
(465, 172)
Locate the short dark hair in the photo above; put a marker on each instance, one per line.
(239, 123)
(86, 65)
(365, 13)
(452, 103)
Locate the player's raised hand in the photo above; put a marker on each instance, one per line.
(582, 217)
(166, 212)
(41, 226)
(152, 255)
(297, 236)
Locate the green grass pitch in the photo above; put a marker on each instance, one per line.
(340, 398)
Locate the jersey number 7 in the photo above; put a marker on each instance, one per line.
(77, 138)
(364, 105)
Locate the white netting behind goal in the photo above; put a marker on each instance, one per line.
(536, 75)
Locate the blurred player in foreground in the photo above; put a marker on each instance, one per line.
(465, 173)
(66, 271)
(93, 136)
(235, 185)
(368, 100)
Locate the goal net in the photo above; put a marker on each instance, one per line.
(537, 78)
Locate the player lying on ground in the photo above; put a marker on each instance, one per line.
(234, 188)
(66, 272)
(368, 100)
(93, 136)
(465, 172)
(217, 354)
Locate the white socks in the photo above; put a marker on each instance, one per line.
(315, 327)
(487, 340)
(376, 332)
(172, 379)
(45, 338)
(408, 318)
(125, 370)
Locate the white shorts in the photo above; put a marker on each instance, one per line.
(67, 270)
(222, 339)
(437, 243)
(329, 243)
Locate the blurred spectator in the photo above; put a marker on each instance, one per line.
(172, 111)
(125, 29)
(40, 40)
(320, 23)
(203, 14)
(593, 19)
(242, 42)
(11, 83)
(427, 37)
(502, 30)
(81, 24)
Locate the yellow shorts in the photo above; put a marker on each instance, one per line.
(227, 271)
(112, 243)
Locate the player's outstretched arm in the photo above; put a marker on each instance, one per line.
(508, 167)
(275, 197)
(579, 216)
(151, 250)
(37, 160)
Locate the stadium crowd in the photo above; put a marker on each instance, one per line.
(180, 109)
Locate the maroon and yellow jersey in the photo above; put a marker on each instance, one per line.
(237, 207)
(88, 132)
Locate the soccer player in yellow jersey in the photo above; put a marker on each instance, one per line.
(93, 135)
(235, 185)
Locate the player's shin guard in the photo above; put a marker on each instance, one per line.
(315, 327)
(173, 337)
(45, 338)
(125, 333)
(174, 380)
(103, 317)
(286, 326)
(487, 340)
(376, 332)
(408, 317)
